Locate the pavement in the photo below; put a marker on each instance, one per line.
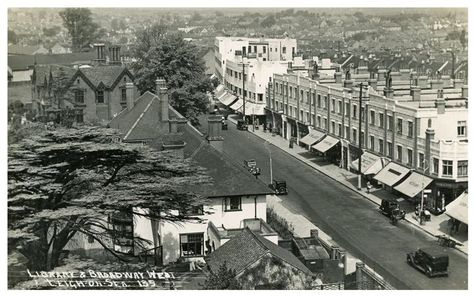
(438, 225)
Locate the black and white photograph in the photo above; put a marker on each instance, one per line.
(276, 146)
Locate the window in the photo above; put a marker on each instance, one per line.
(348, 109)
(354, 134)
(399, 153)
(381, 118)
(192, 244)
(233, 204)
(410, 129)
(283, 50)
(255, 48)
(339, 107)
(381, 146)
(319, 122)
(362, 137)
(362, 114)
(264, 49)
(461, 128)
(325, 102)
(372, 117)
(390, 123)
(354, 111)
(79, 96)
(319, 100)
(435, 166)
(196, 210)
(333, 105)
(301, 95)
(124, 95)
(240, 75)
(421, 161)
(400, 126)
(462, 168)
(372, 142)
(333, 127)
(389, 148)
(325, 122)
(100, 96)
(291, 92)
(410, 157)
(339, 129)
(313, 99)
(347, 133)
(308, 97)
(447, 168)
(122, 231)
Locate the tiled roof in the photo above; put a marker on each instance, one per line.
(42, 71)
(106, 74)
(229, 178)
(247, 248)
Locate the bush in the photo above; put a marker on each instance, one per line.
(279, 224)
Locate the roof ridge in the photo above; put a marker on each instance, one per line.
(139, 118)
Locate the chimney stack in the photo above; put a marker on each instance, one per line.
(338, 77)
(422, 81)
(415, 93)
(173, 125)
(214, 132)
(162, 93)
(100, 50)
(114, 52)
(457, 83)
(130, 92)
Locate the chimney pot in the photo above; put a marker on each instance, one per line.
(162, 93)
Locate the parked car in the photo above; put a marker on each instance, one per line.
(279, 186)
(432, 261)
(391, 209)
(250, 163)
(241, 125)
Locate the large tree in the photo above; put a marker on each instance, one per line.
(67, 181)
(82, 29)
(161, 53)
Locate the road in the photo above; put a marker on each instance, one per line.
(349, 218)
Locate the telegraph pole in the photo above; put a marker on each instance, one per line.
(243, 88)
(359, 177)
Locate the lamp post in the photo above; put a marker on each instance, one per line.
(243, 89)
(270, 156)
(452, 62)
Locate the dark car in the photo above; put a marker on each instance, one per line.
(391, 208)
(279, 186)
(432, 261)
(241, 125)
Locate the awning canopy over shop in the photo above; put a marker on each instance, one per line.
(227, 99)
(391, 174)
(312, 137)
(237, 104)
(254, 109)
(458, 208)
(219, 91)
(414, 184)
(370, 164)
(325, 144)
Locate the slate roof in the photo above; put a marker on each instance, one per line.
(247, 248)
(229, 178)
(23, 62)
(106, 74)
(142, 122)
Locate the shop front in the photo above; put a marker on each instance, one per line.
(391, 175)
(330, 148)
(445, 191)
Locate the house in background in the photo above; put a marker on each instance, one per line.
(60, 49)
(259, 263)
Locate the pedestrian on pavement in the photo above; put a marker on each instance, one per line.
(369, 186)
(456, 224)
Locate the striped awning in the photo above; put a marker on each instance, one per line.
(228, 99)
(391, 174)
(414, 184)
(254, 109)
(312, 137)
(325, 144)
(219, 90)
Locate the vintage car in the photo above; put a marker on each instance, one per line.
(250, 163)
(241, 125)
(279, 186)
(432, 261)
(391, 209)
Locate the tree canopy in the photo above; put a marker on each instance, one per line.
(67, 181)
(160, 53)
(81, 27)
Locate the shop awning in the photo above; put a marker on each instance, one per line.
(312, 137)
(237, 104)
(458, 208)
(254, 109)
(414, 184)
(325, 144)
(370, 164)
(227, 99)
(391, 174)
(219, 91)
